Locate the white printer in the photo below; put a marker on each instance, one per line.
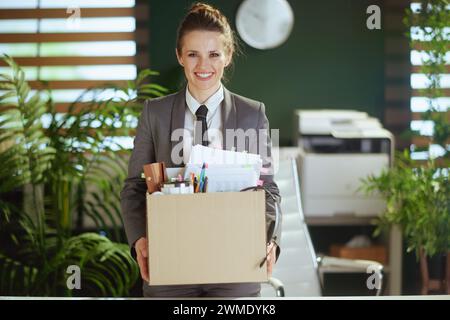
(338, 149)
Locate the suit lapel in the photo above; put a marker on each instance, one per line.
(228, 116)
(177, 117)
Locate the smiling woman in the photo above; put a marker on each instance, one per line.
(204, 58)
(205, 48)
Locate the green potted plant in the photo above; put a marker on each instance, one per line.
(51, 173)
(418, 201)
(417, 193)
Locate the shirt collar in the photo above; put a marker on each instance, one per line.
(212, 103)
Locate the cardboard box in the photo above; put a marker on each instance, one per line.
(206, 238)
(375, 253)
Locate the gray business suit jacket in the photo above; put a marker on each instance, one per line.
(159, 118)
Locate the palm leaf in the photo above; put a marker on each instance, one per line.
(109, 267)
(16, 278)
(54, 164)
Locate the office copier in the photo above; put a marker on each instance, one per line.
(338, 148)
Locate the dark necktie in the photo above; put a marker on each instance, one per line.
(201, 113)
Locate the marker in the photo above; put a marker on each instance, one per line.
(202, 176)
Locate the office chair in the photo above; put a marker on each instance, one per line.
(298, 271)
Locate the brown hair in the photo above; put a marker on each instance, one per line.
(202, 16)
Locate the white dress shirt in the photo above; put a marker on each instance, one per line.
(213, 119)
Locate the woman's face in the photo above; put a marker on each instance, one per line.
(204, 57)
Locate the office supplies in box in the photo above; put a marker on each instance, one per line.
(226, 178)
(206, 238)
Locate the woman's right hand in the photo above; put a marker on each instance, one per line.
(141, 247)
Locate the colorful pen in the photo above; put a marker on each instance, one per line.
(202, 176)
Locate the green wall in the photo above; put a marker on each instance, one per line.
(331, 60)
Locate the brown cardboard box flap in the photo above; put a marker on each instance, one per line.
(206, 238)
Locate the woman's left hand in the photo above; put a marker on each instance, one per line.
(271, 257)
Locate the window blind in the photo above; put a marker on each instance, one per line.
(69, 46)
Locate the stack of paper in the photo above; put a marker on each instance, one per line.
(227, 170)
(201, 154)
